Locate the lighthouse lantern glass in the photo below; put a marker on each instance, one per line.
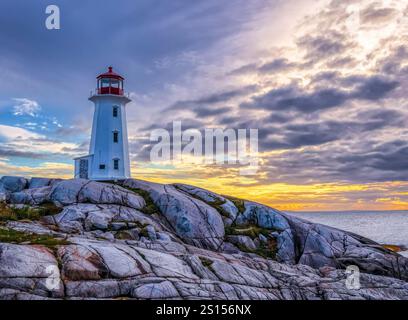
(110, 86)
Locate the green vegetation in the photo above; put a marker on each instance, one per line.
(8, 213)
(207, 263)
(143, 233)
(266, 250)
(239, 203)
(150, 207)
(123, 235)
(217, 205)
(48, 209)
(12, 236)
(250, 231)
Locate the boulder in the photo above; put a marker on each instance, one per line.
(28, 267)
(32, 197)
(318, 245)
(221, 203)
(84, 191)
(263, 217)
(3, 193)
(243, 241)
(39, 182)
(192, 220)
(153, 290)
(101, 217)
(13, 184)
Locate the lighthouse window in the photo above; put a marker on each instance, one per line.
(115, 112)
(116, 164)
(116, 137)
(101, 167)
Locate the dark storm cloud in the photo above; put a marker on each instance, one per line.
(208, 112)
(219, 97)
(12, 152)
(386, 162)
(82, 148)
(317, 133)
(248, 68)
(294, 98)
(276, 65)
(374, 15)
(186, 123)
(394, 63)
(374, 88)
(281, 117)
(229, 120)
(209, 106)
(321, 46)
(341, 62)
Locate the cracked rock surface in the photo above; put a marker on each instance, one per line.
(143, 240)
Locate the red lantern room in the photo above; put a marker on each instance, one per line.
(110, 83)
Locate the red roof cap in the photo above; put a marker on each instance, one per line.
(110, 74)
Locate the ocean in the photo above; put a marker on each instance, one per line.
(384, 227)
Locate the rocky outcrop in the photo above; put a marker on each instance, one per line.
(192, 220)
(13, 184)
(145, 240)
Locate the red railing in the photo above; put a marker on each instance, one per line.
(110, 90)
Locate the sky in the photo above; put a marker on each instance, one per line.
(324, 82)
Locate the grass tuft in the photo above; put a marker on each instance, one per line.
(8, 213)
(251, 231)
(239, 203)
(12, 236)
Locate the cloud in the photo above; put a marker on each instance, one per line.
(374, 15)
(45, 169)
(26, 106)
(276, 65)
(293, 97)
(215, 98)
(323, 46)
(19, 142)
(14, 133)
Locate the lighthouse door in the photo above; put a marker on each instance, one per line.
(83, 168)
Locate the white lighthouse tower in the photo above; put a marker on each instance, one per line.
(108, 157)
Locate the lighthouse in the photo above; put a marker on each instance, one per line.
(108, 157)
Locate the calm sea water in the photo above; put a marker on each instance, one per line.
(385, 227)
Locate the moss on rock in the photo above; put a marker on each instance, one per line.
(12, 236)
(150, 207)
(8, 213)
(239, 203)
